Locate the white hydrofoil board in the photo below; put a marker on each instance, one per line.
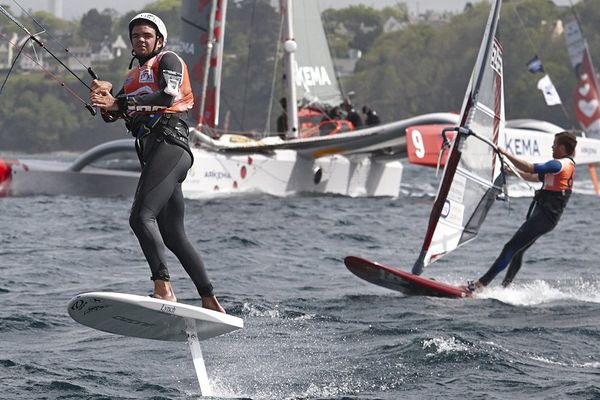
(147, 317)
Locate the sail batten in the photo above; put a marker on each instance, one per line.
(472, 173)
(479, 180)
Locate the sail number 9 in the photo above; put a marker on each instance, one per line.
(417, 139)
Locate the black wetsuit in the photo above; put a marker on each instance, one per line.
(157, 214)
(543, 216)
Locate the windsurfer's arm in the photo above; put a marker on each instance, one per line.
(538, 170)
(520, 164)
(530, 177)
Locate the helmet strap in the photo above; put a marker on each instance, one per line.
(133, 58)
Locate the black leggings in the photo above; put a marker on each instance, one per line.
(157, 213)
(535, 226)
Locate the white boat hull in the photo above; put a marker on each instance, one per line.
(214, 174)
(285, 172)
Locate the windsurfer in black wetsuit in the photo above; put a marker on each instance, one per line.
(154, 97)
(546, 208)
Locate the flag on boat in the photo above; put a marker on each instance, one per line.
(550, 94)
(535, 65)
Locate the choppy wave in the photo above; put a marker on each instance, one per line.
(312, 329)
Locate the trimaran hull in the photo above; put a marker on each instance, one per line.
(281, 173)
(348, 165)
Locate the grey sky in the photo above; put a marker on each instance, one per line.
(75, 8)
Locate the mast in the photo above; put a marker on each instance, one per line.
(289, 47)
(209, 55)
(220, 33)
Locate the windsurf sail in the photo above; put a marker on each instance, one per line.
(472, 176)
(203, 33)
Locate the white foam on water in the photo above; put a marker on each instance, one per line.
(572, 364)
(542, 292)
(444, 345)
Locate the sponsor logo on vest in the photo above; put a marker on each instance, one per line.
(312, 76)
(521, 147)
(146, 76)
(145, 108)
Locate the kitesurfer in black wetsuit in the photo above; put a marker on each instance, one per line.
(153, 98)
(545, 210)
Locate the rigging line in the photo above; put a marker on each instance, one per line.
(576, 15)
(41, 44)
(65, 48)
(48, 72)
(514, 7)
(195, 25)
(535, 51)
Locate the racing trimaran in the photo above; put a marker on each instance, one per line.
(354, 163)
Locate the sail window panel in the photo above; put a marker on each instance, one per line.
(480, 159)
(487, 96)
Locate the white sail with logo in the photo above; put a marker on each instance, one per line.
(472, 175)
(315, 73)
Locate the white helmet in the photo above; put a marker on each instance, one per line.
(157, 22)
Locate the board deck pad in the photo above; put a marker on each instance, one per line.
(401, 281)
(147, 317)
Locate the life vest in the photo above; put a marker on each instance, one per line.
(562, 180)
(145, 79)
(554, 195)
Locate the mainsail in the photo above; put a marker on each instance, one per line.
(587, 93)
(315, 74)
(472, 175)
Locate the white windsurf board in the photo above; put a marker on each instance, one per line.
(147, 317)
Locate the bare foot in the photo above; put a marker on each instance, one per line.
(212, 303)
(163, 290)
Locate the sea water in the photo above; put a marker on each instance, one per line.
(312, 329)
